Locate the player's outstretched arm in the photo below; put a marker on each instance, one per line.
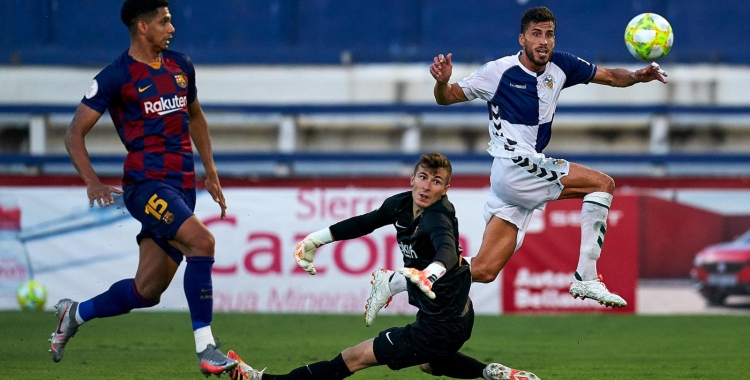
(626, 78)
(75, 143)
(425, 278)
(304, 252)
(199, 134)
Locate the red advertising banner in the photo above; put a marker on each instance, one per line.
(537, 278)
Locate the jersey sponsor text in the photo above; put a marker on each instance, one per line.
(165, 106)
(407, 250)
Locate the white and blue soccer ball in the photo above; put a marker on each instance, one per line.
(31, 295)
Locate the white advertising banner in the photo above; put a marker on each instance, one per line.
(78, 252)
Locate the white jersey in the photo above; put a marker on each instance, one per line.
(522, 103)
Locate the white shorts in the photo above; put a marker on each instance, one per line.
(519, 185)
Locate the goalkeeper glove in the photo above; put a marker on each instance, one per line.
(424, 278)
(304, 252)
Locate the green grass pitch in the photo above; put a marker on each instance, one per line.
(153, 345)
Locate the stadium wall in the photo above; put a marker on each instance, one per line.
(341, 31)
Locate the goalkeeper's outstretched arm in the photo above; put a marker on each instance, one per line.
(351, 228)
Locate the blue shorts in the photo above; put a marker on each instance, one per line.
(161, 208)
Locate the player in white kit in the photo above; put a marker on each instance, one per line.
(521, 92)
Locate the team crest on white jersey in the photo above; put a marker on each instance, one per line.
(549, 80)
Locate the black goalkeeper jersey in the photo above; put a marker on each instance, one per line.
(432, 236)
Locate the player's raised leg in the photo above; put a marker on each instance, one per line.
(499, 242)
(155, 272)
(196, 242)
(596, 189)
(516, 190)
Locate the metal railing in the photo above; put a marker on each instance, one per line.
(249, 165)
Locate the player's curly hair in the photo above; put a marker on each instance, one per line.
(435, 161)
(536, 15)
(132, 9)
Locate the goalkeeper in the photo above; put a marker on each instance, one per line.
(427, 233)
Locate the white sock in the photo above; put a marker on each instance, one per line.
(79, 320)
(397, 283)
(203, 337)
(593, 228)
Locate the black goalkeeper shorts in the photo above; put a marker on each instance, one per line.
(422, 341)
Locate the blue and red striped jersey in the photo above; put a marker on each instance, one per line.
(148, 106)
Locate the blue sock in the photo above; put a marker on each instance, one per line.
(199, 291)
(121, 297)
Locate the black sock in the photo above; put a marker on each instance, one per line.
(458, 366)
(335, 369)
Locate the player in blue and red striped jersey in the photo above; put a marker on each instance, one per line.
(151, 96)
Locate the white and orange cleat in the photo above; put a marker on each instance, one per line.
(243, 371)
(497, 371)
(380, 294)
(596, 290)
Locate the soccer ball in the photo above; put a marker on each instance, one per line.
(31, 295)
(648, 37)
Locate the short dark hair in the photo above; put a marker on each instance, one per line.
(435, 161)
(132, 9)
(536, 15)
